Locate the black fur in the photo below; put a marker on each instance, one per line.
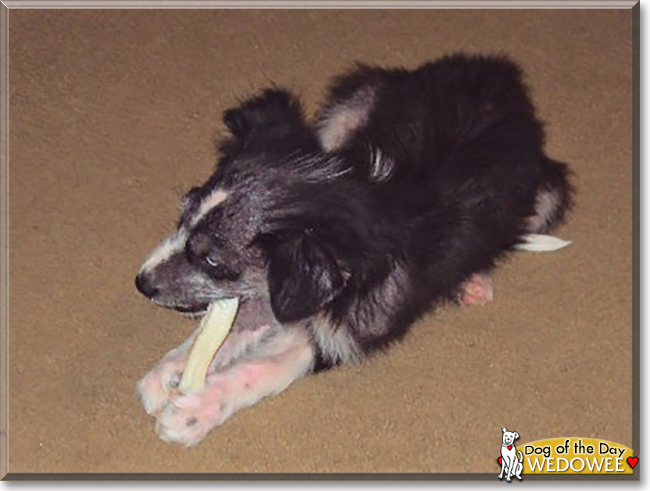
(408, 183)
(469, 163)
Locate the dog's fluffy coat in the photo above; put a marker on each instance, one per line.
(348, 230)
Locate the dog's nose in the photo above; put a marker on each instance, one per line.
(144, 286)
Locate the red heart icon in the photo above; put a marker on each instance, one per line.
(509, 447)
(632, 461)
(499, 460)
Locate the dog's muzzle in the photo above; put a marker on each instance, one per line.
(145, 286)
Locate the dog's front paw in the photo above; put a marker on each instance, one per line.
(187, 419)
(157, 387)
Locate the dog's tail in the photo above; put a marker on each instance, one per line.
(521, 456)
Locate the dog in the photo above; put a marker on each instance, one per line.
(510, 464)
(337, 234)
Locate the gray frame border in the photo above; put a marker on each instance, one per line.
(636, 229)
(6, 5)
(4, 240)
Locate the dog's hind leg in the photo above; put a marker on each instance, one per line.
(518, 470)
(477, 290)
(268, 370)
(519, 463)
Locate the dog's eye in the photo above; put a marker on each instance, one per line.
(218, 270)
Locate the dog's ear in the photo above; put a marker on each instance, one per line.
(503, 428)
(303, 276)
(272, 108)
(516, 435)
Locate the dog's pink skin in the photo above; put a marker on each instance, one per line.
(187, 419)
(477, 290)
(158, 386)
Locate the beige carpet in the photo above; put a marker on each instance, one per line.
(112, 115)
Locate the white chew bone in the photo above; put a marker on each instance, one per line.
(215, 326)
(542, 243)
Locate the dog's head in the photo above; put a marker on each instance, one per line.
(275, 220)
(509, 436)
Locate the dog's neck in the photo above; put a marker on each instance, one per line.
(508, 444)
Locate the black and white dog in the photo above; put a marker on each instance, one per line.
(336, 236)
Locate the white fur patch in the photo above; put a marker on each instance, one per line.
(340, 120)
(313, 169)
(381, 167)
(336, 344)
(215, 198)
(175, 243)
(545, 206)
(237, 344)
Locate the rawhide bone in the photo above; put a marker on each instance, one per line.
(214, 328)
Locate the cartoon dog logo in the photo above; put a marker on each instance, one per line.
(510, 464)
